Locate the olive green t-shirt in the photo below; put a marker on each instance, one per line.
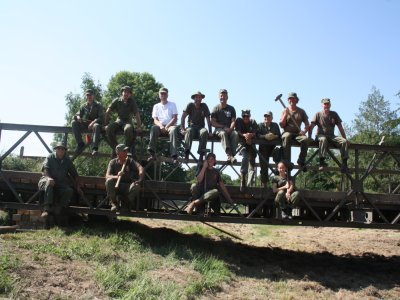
(197, 115)
(125, 110)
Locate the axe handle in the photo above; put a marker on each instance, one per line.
(119, 177)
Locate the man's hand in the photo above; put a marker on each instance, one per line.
(120, 173)
(91, 125)
(51, 181)
(228, 130)
(270, 136)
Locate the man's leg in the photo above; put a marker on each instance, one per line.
(203, 137)
(154, 134)
(233, 141)
(244, 167)
(286, 145)
(264, 160)
(111, 133)
(338, 141)
(65, 195)
(252, 165)
(133, 196)
(112, 193)
(129, 133)
(224, 139)
(323, 148)
(304, 144)
(96, 136)
(188, 138)
(173, 140)
(48, 195)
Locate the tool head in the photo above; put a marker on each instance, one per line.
(278, 97)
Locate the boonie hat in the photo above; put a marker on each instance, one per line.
(268, 113)
(223, 91)
(121, 147)
(326, 100)
(89, 92)
(163, 90)
(60, 145)
(198, 93)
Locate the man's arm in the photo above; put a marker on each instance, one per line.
(310, 129)
(341, 130)
(138, 122)
(184, 115)
(200, 176)
(225, 192)
(172, 122)
(107, 116)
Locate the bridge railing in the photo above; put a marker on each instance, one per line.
(346, 203)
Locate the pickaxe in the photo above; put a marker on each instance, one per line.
(278, 98)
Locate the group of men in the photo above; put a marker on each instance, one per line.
(236, 135)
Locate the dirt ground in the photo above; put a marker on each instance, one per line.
(318, 263)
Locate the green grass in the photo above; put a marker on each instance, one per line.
(124, 264)
(7, 263)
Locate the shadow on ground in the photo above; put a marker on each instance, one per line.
(332, 271)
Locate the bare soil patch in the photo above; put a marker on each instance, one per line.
(267, 263)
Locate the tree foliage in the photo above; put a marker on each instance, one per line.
(373, 118)
(376, 119)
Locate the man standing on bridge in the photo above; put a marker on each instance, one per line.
(59, 175)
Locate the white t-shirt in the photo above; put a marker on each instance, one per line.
(164, 112)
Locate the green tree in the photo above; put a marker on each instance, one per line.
(376, 119)
(372, 120)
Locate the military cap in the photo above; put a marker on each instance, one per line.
(121, 147)
(198, 93)
(163, 90)
(60, 145)
(326, 100)
(293, 95)
(223, 91)
(126, 88)
(268, 113)
(89, 92)
(246, 113)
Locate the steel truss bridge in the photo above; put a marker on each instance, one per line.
(348, 205)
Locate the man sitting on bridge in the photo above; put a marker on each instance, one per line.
(223, 118)
(124, 176)
(58, 171)
(326, 121)
(197, 112)
(126, 108)
(90, 116)
(209, 185)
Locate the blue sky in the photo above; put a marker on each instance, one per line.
(255, 49)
